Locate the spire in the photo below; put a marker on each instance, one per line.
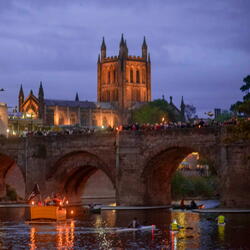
(182, 102)
(122, 43)
(149, 58)
(123, 48)
(171, 99)
(20, 99)
(77, 97)
(103, 46)
(99, 60)
(40, 92)
(144, 49)
(21, 94)
(31, 92)
(144, 44)
(126, 48)
(182, 109)
(103, 49)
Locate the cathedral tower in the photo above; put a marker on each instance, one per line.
(124, 80)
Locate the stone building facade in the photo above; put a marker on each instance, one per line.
(66, 112)
(124, 80)
(123, 84)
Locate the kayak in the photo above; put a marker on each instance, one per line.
(141, 228)
(221, 224)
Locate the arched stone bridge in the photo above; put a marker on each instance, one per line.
(139, 164)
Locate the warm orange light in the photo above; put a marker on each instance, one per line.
(67, 202)
(61, 203)
(32, 203)
(71, 212)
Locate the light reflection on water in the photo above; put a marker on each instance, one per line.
(97, 231)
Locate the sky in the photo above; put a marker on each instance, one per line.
(199, 49)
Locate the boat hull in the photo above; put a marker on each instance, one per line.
(47, 213)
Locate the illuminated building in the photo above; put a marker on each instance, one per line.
(123, 84)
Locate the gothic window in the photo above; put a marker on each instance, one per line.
(103, 96)
(114, 80)
(116, 95)
(84, 121)
(104, 122)
(137, 76)
(131, 75)
(115, 122)
(94, 121)
(73, 119)
(113, 95)
(133, 95)
(108, 96)
(61, 119)
(143, 75)
(109, 77)
(138, 96)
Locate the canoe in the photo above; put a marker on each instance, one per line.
(48, 213)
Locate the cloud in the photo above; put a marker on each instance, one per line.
(199, 49)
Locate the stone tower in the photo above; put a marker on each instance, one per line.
(124, 80)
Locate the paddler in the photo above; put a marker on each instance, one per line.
(174, 226)
(221, 219)
(134, 223)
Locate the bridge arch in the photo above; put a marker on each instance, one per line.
(11, 174)
(160, 167)
(72, 171)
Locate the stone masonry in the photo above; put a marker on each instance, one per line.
(139, 164)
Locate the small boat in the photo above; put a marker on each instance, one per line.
(187, 207)
(141, 228)
(95, 209)
(47, 213)
(221, 224)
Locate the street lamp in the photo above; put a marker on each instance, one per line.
(7, 130)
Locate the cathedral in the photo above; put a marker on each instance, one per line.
(123, 83)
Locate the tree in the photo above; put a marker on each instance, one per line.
(153, 112)
(224, 116)
(190, 111)
(244, 106)
(148, 114)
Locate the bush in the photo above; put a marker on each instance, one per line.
(183, 187)
(11, 193)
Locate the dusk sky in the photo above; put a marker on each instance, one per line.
(199, 49)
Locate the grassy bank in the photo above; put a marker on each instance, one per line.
(193, 186)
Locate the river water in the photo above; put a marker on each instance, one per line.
(96, 231)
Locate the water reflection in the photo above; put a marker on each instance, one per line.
(62, 234)
(98, 231)
(221, 232)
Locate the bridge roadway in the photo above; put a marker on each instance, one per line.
(139, 164)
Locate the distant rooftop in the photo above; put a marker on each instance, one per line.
(81, 104)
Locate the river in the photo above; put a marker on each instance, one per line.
(95, 231)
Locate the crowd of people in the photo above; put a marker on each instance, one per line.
(130, 127)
